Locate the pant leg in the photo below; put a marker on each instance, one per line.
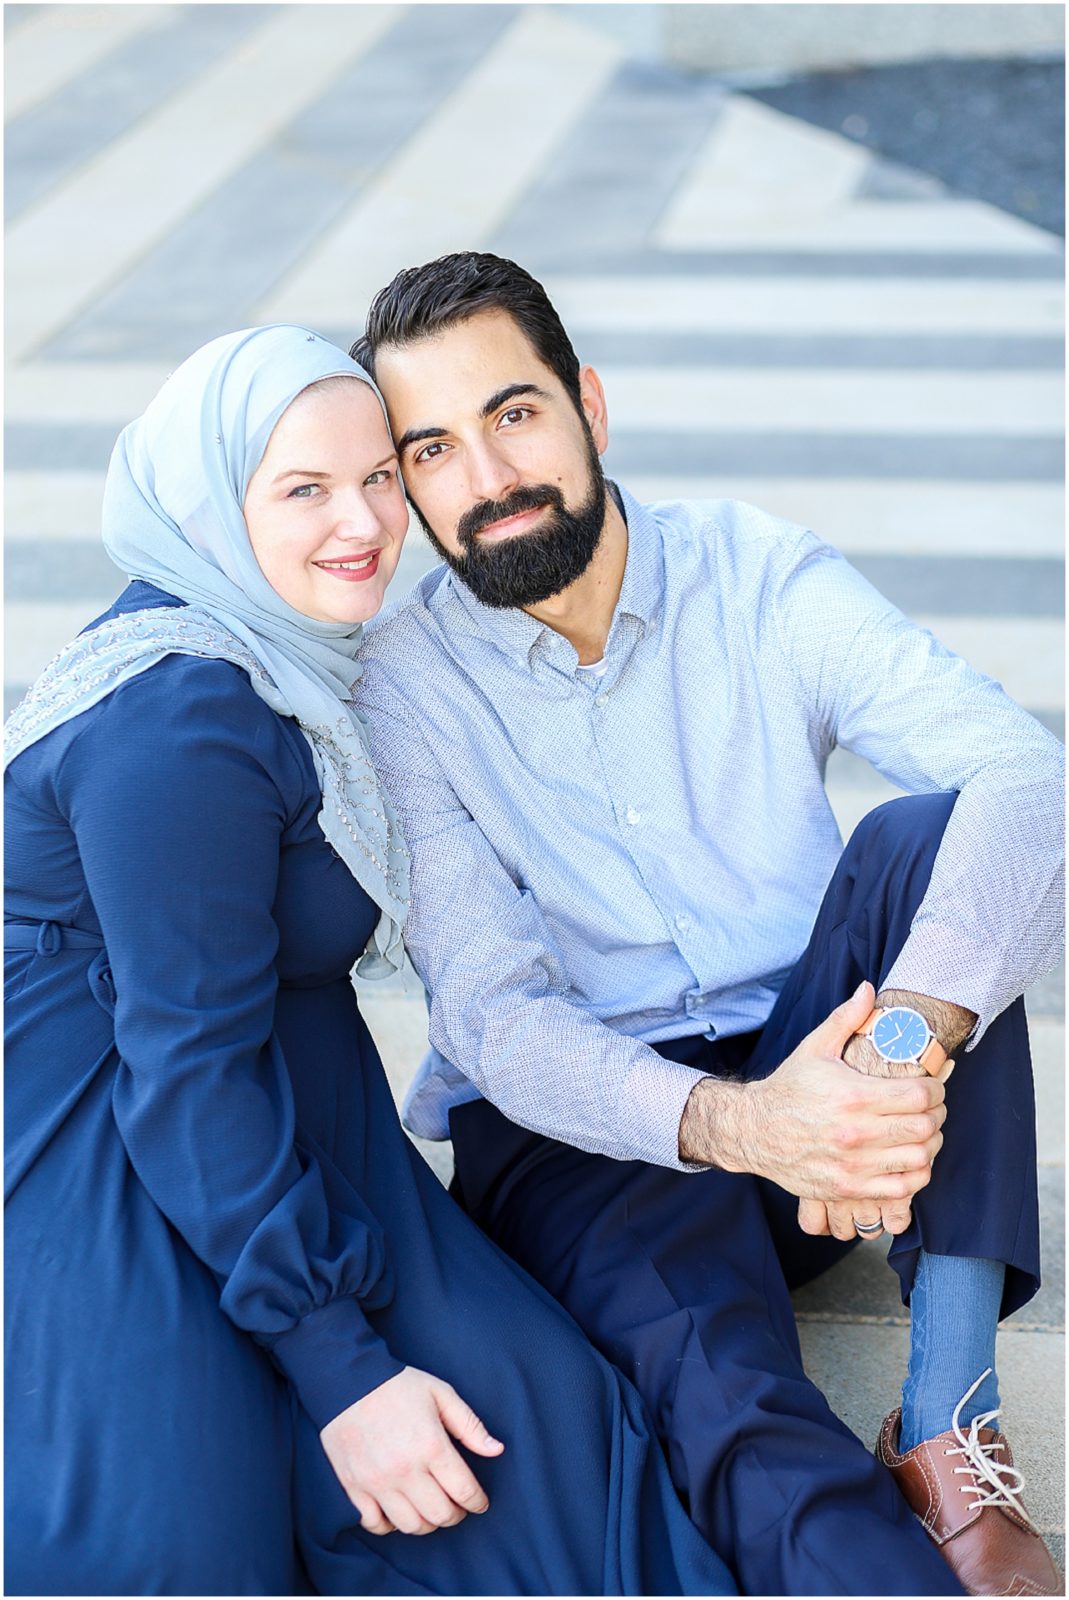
(983, 1198)
(675, 1278)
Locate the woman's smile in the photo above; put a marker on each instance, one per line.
(351, 569)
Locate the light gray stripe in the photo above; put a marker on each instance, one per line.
(50, 140)
(669, 264)
(616, 171)
(997, 586)
(978, 458)
(228, 254)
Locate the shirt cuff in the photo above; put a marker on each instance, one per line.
(949, 965)
(333, 1358)
(655, 1095)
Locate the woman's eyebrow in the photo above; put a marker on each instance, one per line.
(300, 472)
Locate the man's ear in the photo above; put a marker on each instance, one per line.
(594, 408)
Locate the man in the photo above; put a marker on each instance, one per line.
(606, 725)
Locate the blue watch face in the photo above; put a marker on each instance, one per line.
(900, 1034)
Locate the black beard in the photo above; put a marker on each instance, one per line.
(529, 567)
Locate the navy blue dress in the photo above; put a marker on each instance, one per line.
(218, 1236)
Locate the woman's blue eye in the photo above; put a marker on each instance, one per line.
(302, 491)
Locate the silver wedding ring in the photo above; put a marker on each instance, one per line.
(869, 1229)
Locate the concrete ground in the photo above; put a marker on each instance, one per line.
(779, 313)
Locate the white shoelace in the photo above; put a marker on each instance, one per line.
(1004, 1484)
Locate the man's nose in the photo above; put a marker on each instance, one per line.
(491, 475)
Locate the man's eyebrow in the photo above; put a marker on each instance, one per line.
(414, 435)
(510, 392)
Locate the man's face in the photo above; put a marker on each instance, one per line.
(500, 468)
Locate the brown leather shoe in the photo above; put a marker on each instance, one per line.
(966, 1491)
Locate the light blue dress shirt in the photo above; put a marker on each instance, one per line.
(599, 863)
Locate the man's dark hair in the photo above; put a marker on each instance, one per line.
(422, 301)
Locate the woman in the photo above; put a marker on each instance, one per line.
(245, 1323)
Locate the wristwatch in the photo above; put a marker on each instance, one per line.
(900, 1034)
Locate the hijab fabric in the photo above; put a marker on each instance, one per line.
(173, 516)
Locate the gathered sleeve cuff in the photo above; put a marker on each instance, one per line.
(333, 1358)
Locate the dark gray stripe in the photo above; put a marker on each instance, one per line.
(976, 586)
(15, 16)
(230, 251)
(51, 139)
(59, 569)
(616, 170)
(995, 586)
(58, 447)
(874, 352)
(669, 264)
(978, 458)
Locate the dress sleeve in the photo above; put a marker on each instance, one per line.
(176, 793)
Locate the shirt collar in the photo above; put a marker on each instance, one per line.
(641, 593)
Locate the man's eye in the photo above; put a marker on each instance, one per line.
(429, 451)
(515, 414)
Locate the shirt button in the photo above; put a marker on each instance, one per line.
(600, 699)
(632, 815)
(682, 923)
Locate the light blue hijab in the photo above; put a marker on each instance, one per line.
(173, 516)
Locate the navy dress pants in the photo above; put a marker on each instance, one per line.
(683, 1279)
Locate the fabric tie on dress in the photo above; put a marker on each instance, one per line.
(49, 938)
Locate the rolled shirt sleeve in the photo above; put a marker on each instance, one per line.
(992, 920)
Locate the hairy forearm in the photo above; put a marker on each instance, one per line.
(711, 1128)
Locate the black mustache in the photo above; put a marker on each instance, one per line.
(528, 497)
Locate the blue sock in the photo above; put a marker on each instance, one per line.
(954, 1307)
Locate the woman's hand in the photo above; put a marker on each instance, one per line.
(395, 1460)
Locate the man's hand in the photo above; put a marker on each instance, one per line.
(395, 1460)
(818, 1128)
(951, 1025)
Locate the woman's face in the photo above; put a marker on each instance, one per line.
(325, 512)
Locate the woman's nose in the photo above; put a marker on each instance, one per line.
(357, 522)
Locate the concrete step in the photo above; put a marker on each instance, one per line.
(860, 1369)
